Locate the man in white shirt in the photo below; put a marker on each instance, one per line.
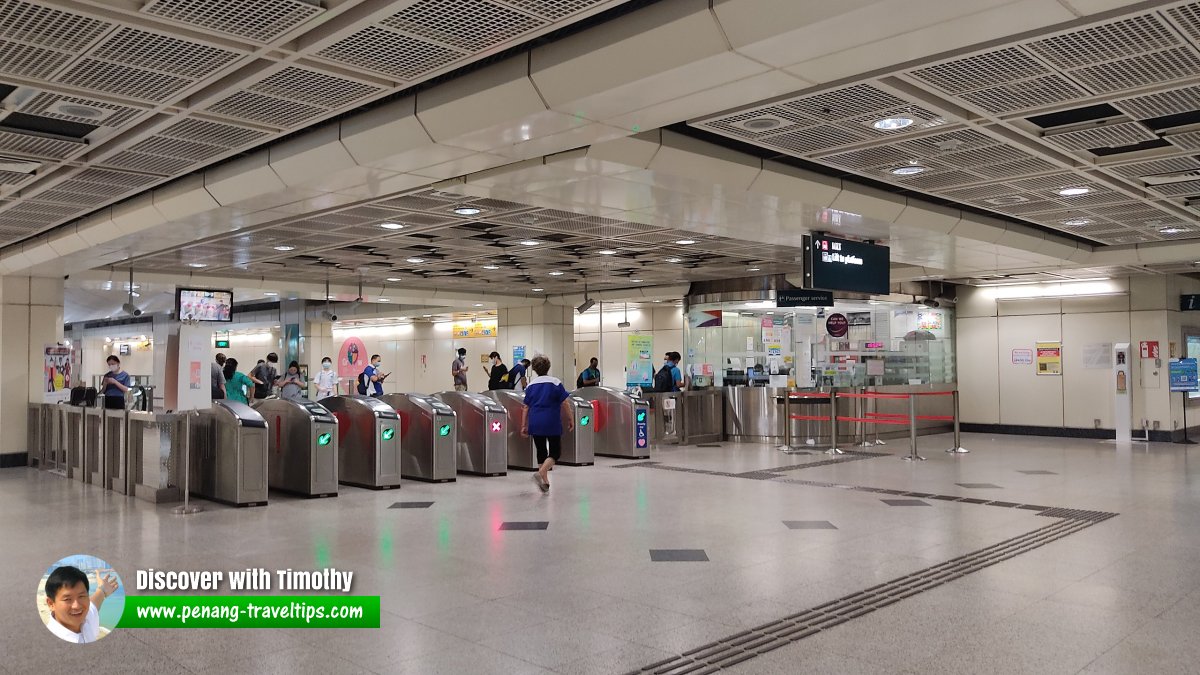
(75, 615)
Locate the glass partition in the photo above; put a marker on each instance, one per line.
(853, 344)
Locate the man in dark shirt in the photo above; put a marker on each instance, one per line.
(116, 383)
(498, 375)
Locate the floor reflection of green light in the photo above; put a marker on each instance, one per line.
(321, 552)
(443, 534)
(585, 509)
(385, 547)
(641, 498)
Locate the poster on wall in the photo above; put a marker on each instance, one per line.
(1097, 356)
(858, 318)
(837, 325)
(1183, 376)
(708, 318)
(1022, 357)
(518, 353)
(352, 359)
(58, 374)
(929, 320)
(639, 364)
(1049, 358)
(473, 329)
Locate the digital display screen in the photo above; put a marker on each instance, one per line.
(844, 265)
(196, 304)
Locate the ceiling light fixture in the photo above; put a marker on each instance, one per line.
(391, 226)
(285, 247)
(467, 210)
(491, 267)
(415, 261)
(1073, 191)
(393, 278)
(197, 265)
(685, 242)
(270, 293)
(530, 242)
(761, 123)
(479, 304)
(674, 260)
(1076, 222)
(607, 251)
(1172, 230)
(556, 273)
(892, 123)
(1007, 201)
(753, 269)
(538, 290)
(910, 170)
(384, 300)
(636, 281)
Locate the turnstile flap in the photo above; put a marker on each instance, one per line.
(244, 414)
(318, 412)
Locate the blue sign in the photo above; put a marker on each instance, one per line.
(642, 427)
(518, 353)
(1183, 375)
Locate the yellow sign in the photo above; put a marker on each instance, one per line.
(1049, 358)
(474, 329)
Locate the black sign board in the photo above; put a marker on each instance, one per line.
(844, 265)
(1189, 303)
(803, 298)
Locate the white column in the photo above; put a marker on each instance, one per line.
(544, 329)
(31, 316)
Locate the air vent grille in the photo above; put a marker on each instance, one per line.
(154, 51)
(1162, 104)
(25, 61)
(38, 146)
(1106, 42)
(49, 105)
(1104, 136)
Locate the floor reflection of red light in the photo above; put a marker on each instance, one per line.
(496, 518)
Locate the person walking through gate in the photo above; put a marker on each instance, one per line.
(546, 405)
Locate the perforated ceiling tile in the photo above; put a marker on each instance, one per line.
(174, 147)
(1138, 71)
(939, 180)
(25, 61)
(13, 177)
(1189, 140)
(814, 139)
(980, 192)
(164, 166)
(870, 158)
(1186, 99)
(113, 78)
(46, 27)
(846, 103)
(1157, 167)
(472, 25)
(261, 20)
(212, 133)
(1016, 169)
(758, 122)
(165, 54)
(113, 178)
(1105, 42)
(39, 146)
(266, 109)
(1185, 189)
(390, 53)
(310, 86)
(992, 154)
(982, 70)
(1187, 17)
(1025, 94)
(77, 109)
(1113, 135)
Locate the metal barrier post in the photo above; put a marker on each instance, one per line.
(912, 430)
(187, 509)
(866, 414)
(833, 422)
(787, 420)
(958, 447)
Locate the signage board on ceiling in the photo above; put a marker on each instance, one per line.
(843, 265)
(1189, 303)
(803, 297)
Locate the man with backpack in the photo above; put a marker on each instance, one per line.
(518, 377)
(669, 378)
(266, 374)
(372, 375)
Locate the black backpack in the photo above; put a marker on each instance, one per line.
(362, 383)
(663, 381)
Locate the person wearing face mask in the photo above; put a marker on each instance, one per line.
(498, 374)
(116, 383)
(292, 384)
(374, 375)
(668, 378)
(458, 370)
(327, 380)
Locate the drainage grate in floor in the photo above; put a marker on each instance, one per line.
(775, 634)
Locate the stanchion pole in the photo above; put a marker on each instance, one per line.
(912, 430)
(187, 508)
(958, 447)
(833, 425)
(787, 420)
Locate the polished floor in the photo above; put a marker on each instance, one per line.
(645, 563)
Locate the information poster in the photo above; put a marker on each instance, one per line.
(473, 329)
(639, 365)
(1097, 355)
(1049, 358)
(518, 353)
(1183, 375)
(1022, 357)
(59, 374)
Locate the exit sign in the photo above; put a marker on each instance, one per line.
(1189, 303)
(222, 344)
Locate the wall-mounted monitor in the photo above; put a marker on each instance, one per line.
(843, 265)
(198, 304)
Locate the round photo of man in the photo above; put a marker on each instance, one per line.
(80, 598)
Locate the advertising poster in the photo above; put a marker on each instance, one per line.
(473, 329)
(1049, 358)
(837, 325)
(929, 321)
(639, 364)
(352, 358)
(708, 318)
(58, 376)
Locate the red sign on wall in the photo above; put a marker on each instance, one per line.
(1149, 349)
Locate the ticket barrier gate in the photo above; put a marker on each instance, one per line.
(69, 439)
(115, 474)
(482, 443)
(521, 453)
(229, 455)
(430, 431)
(368, 441)
(578, 444)
(622, 422)
(302, 442)
(155, 452)
(83, 466)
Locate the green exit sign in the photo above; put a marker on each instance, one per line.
(388, 433)
(444, 430)
(325, 439)
(222, 344)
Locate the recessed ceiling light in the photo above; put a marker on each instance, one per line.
(1073, 191)
(607, 251)
(415, 260)
(467, 210)
(753, 269)
(391, 226)
(910, 170)
(491, 267)
(426, 316)
(1007, 201)
(892, 123)
(636, 281)
(556, 273)
(538, 290)
(1076, 222)
(197, 265)
(479, 304)
(674, 260)
(530, 242)
(284, 247)
(761, 123)
(270, 293)
(1172, 230)
(384, 300)
(393, 278)
(685, 242)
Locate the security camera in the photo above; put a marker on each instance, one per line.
(328, 315)
(333, 317)
(587, 304)
(930, 302)
(130, 309)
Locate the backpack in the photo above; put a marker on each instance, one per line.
(263, 373)
(579, 381)
(362, 383)
(663, 381)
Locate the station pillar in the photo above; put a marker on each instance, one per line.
(542, 329)
(31, 317)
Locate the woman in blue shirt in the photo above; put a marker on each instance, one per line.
(545, 407)
(116, 383)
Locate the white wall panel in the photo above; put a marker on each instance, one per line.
(978, 370)
(1088, 392)
(1025, 397)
